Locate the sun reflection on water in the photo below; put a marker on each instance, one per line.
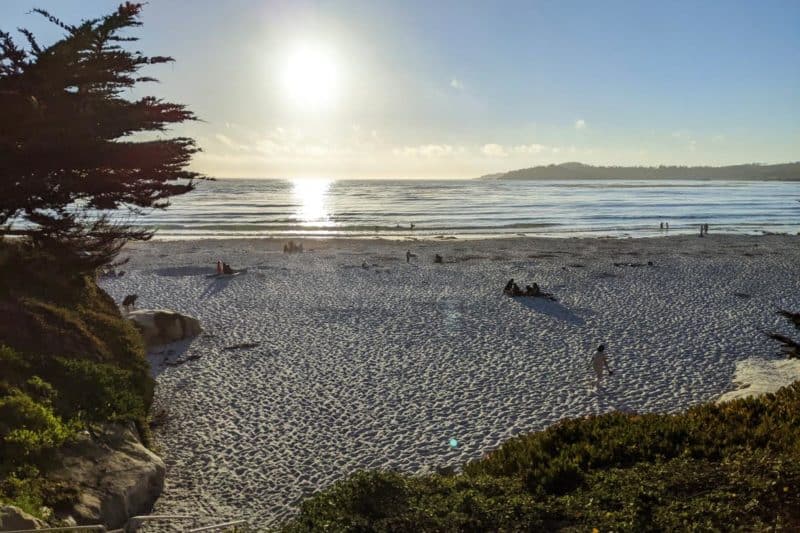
(311, 198)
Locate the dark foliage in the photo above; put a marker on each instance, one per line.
(68, 362)
(790, 346)
(733, 466)
(66, 152)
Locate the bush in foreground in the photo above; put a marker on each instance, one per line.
(734, 466)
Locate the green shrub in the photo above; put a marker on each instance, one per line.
(67, 360)
(28, 430)
(734, 466)
(23, 492)
(99, 392)
(41, 390)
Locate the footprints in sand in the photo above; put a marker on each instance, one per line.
(330, 369)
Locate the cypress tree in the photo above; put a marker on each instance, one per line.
(73, 148)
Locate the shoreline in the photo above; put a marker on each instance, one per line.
(378, 367)
(467, 237)
(449, 239)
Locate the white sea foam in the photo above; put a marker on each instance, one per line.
(380, 367)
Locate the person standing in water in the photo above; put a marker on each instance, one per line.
(599, 362)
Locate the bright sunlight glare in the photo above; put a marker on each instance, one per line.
(311, 77)
(311, 197)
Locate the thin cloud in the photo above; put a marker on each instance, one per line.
(457, 84)
(580, 124)
(498, 150)
(428, 150)
(529, 148)
(494, 150)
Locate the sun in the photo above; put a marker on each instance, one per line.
(311, 77)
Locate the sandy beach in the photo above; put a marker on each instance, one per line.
(312, 366)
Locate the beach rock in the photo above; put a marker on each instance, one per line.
(162, 326)
(13, 518)
(115, 475)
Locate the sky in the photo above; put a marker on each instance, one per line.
(458, 89)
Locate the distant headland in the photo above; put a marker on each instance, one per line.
(781, 172)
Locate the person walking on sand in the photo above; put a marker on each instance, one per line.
(408, 256)
(599, 361)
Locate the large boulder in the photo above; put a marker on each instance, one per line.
(13, 518)
(115, 475)
(162, 326)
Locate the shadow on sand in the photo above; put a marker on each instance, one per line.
(216, 285)
(551, 308)
(167, 355)
(179, 272)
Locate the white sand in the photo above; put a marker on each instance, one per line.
(757, 376)
(379, 368)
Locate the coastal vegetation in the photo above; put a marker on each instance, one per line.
(785, 172)
(69, 363)
(67, 151)
(730, 466)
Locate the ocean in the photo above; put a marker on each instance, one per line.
(475, 208)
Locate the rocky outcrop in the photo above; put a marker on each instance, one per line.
(13, 518)
(115, 475)
(162, 326)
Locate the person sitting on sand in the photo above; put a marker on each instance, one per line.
(226, 269)
(509, 287)
(599, 361)
(515, 290)
(533, 290)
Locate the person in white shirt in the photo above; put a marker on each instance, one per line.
(599, 362)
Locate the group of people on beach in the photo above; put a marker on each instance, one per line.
(513, 290)
(224, 268)
(292, 248)
(703, 228)
(599, 359)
